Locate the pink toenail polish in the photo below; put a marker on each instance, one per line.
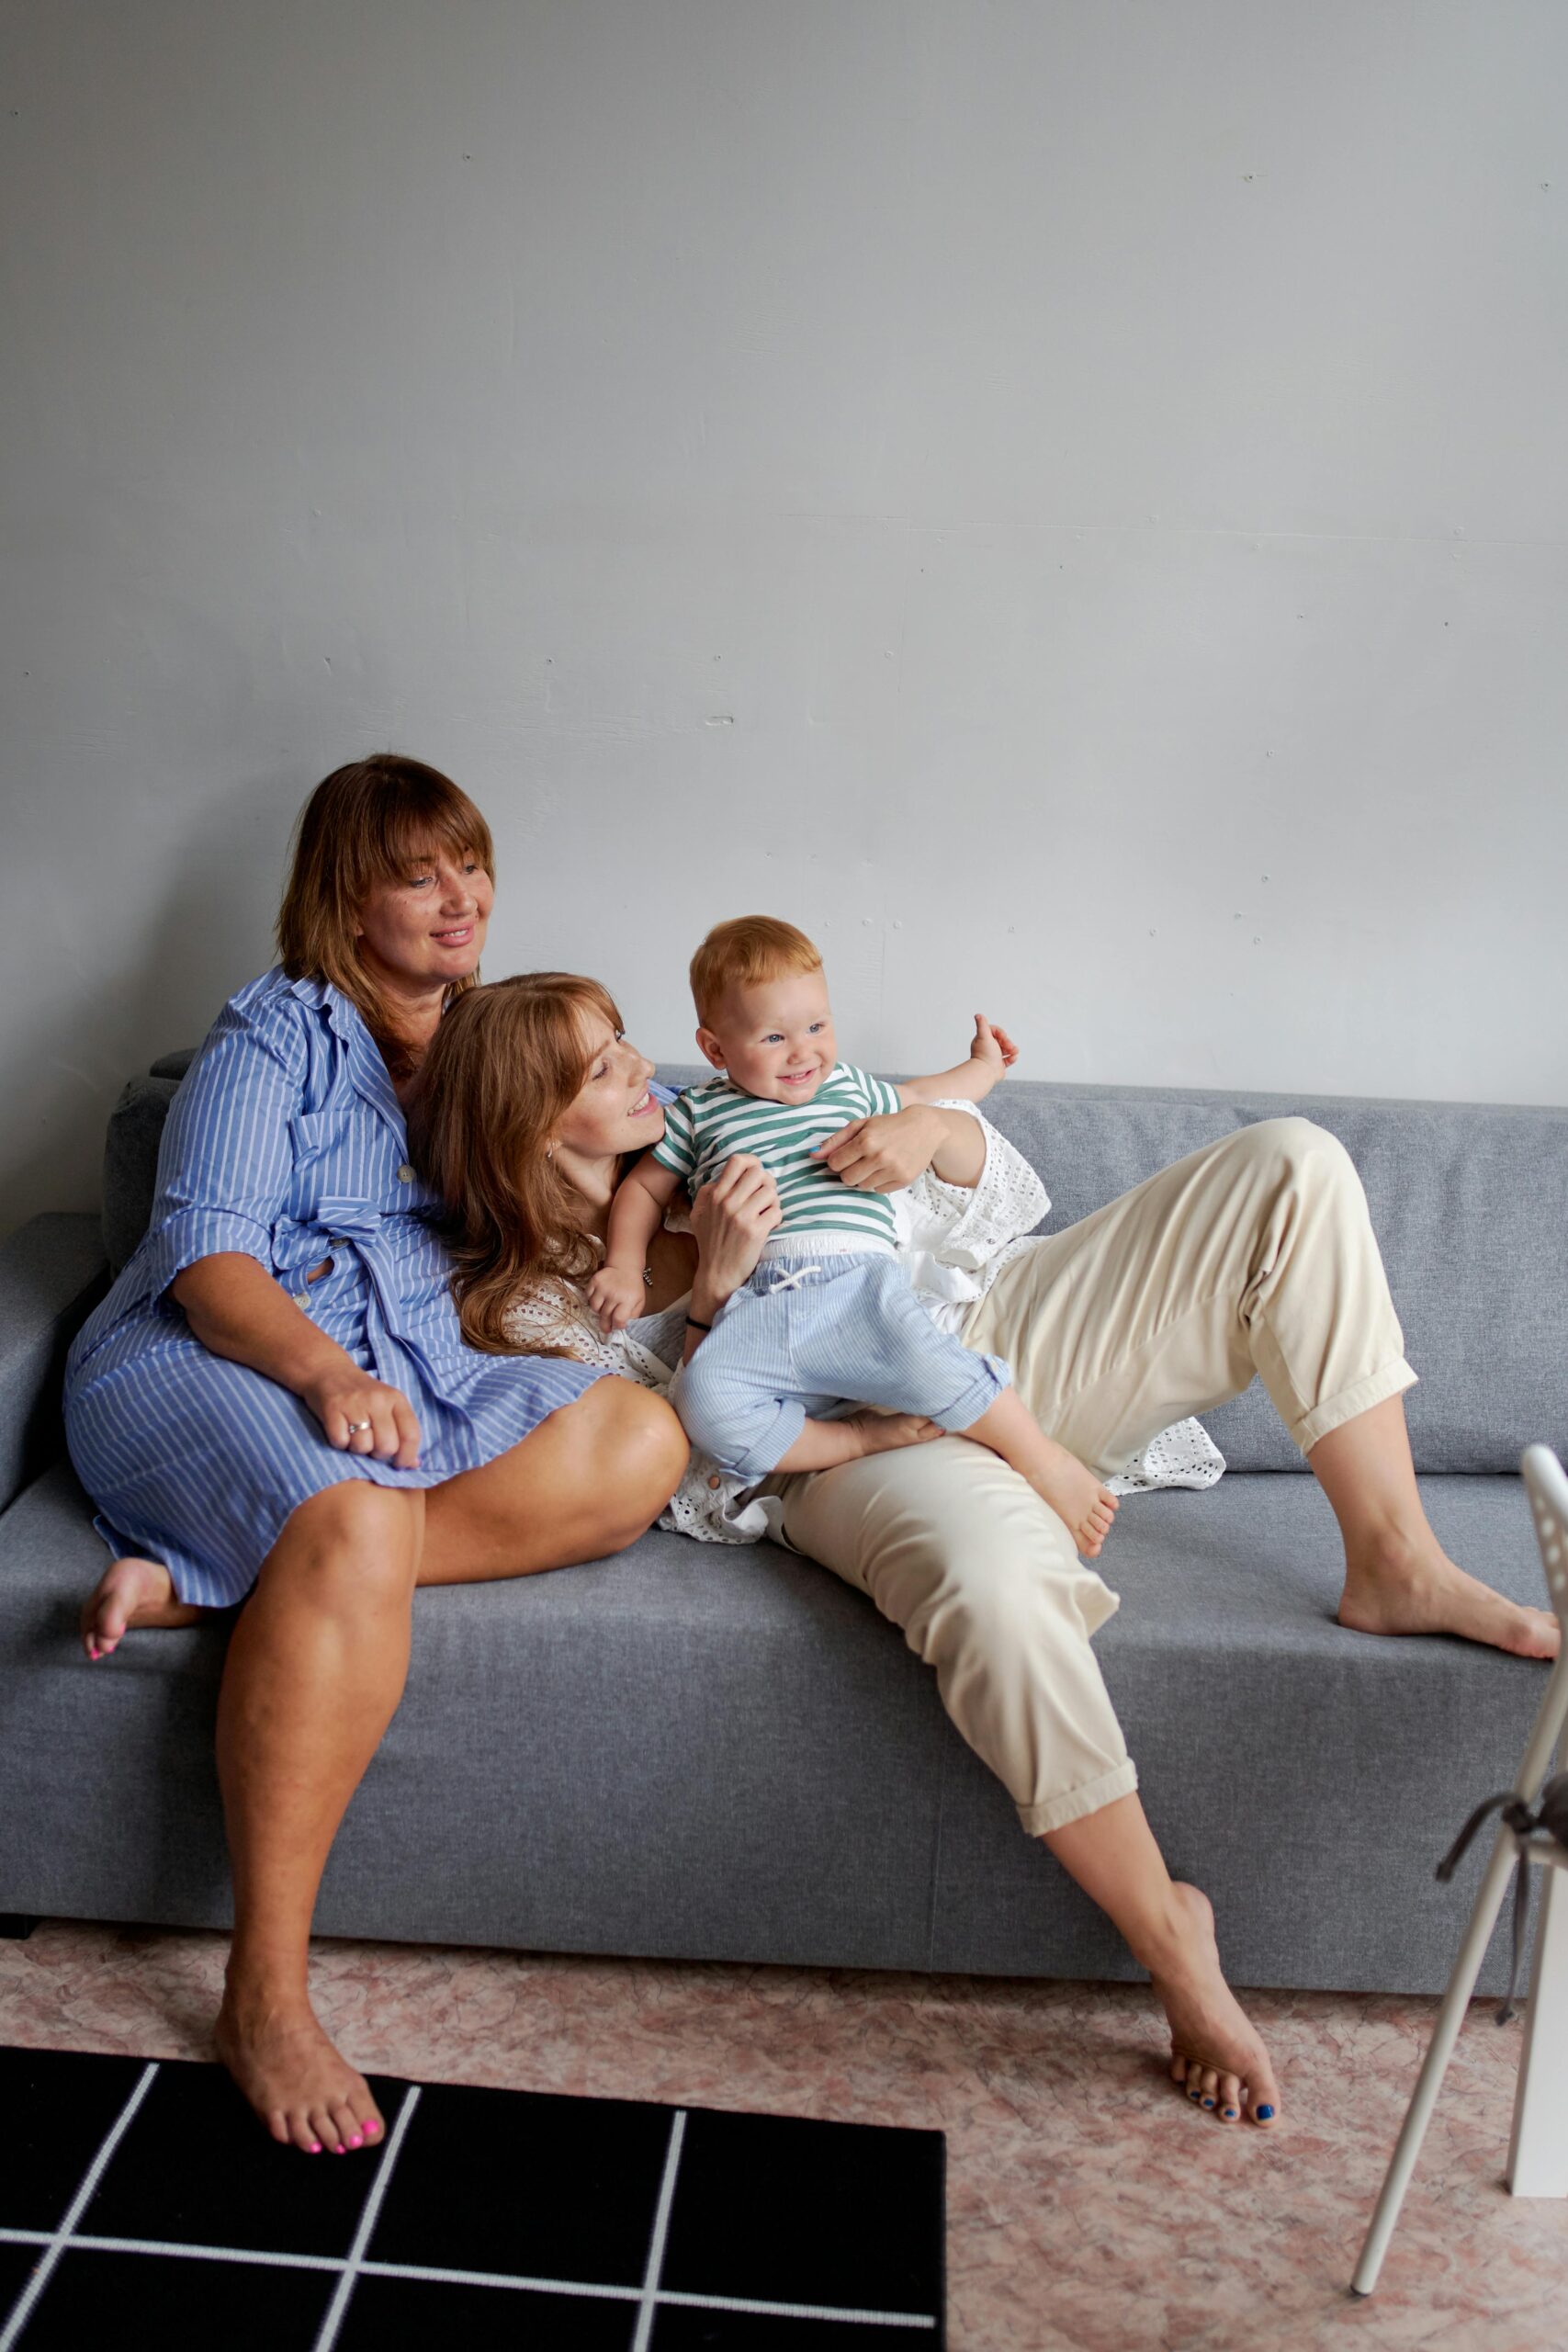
(356, 2141)
(315, 2148)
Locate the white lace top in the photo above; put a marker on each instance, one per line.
(954, 1241)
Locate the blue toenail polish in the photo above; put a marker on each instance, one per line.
(1231, 2113)
(1264, 2113)
(1208, 2102)
(1193, 2096)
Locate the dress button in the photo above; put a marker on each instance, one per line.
(405, 1175)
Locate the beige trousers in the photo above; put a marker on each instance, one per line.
(1256, 1254)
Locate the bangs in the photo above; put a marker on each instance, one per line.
(415, 815)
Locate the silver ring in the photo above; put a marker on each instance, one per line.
(355, 1427)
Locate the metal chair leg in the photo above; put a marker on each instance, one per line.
(1440, 2050)
(1540, 2146)
(1537, 2156)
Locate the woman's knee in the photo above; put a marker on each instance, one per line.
(635, 1454)
(1297, 1146)
(355, 1536)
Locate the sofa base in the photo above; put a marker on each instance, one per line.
(706, 1754)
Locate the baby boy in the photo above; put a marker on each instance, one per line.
(828, 1316)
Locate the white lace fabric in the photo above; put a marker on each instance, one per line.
(953, 1241)
(706, 1503)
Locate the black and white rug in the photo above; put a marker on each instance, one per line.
(142, 2202)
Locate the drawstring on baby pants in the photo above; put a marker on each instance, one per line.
(792, 1280)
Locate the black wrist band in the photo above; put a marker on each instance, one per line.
(693, 1325)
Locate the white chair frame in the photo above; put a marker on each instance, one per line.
(1537, 2156)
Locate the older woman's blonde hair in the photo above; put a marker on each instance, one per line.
(367, 823)
(508, 1061)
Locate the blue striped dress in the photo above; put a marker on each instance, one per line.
(285, 1141)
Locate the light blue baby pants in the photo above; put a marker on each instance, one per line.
(806, 1333)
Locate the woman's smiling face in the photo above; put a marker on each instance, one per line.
(425, 928)
(612, 1111)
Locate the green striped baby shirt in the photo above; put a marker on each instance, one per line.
(705, 1125)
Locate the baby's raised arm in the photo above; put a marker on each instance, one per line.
(616, 1292)
(992, 1053)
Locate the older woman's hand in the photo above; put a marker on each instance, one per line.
(361, 1415)
(731, 1218)
(883, 1154)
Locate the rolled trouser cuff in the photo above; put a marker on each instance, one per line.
(1060, 1812)
(975, 1399)
(1333, 1413)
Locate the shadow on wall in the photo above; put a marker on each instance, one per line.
(208, 932)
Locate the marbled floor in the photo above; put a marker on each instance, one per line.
(1090, 2207)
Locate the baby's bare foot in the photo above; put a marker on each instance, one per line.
(130, 1593)
(883, 1432)
(1077, 1495)
(1215, 2056)
(307, 2096)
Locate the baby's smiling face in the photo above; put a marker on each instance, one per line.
(775, 1038)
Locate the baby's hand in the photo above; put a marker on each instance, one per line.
(993, 1046)
(615, 1293)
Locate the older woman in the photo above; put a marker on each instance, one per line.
(276, 1404)
(1252, 1254)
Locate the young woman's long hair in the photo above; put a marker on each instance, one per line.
(507, 1060)
(365, 823)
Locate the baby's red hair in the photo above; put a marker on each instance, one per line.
(740, 952)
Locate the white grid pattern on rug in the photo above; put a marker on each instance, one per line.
(353, 2265)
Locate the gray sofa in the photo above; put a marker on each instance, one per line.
(721, 1754)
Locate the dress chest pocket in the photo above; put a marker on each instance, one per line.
(336, 1155)
(314, 1133)
(340, 1154)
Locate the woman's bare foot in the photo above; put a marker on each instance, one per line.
(884, 1432)
(131, 1593)
(1077, 1495)
(1395, 1586)
(1214, 2053)
(307, 2096)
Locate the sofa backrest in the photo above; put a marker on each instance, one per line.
(131, 1153)
(1470, 1206)
(1469, 1201)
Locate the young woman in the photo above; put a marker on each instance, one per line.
(276, 1402)
(1255, 1254)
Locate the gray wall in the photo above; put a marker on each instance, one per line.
(1065, 498)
